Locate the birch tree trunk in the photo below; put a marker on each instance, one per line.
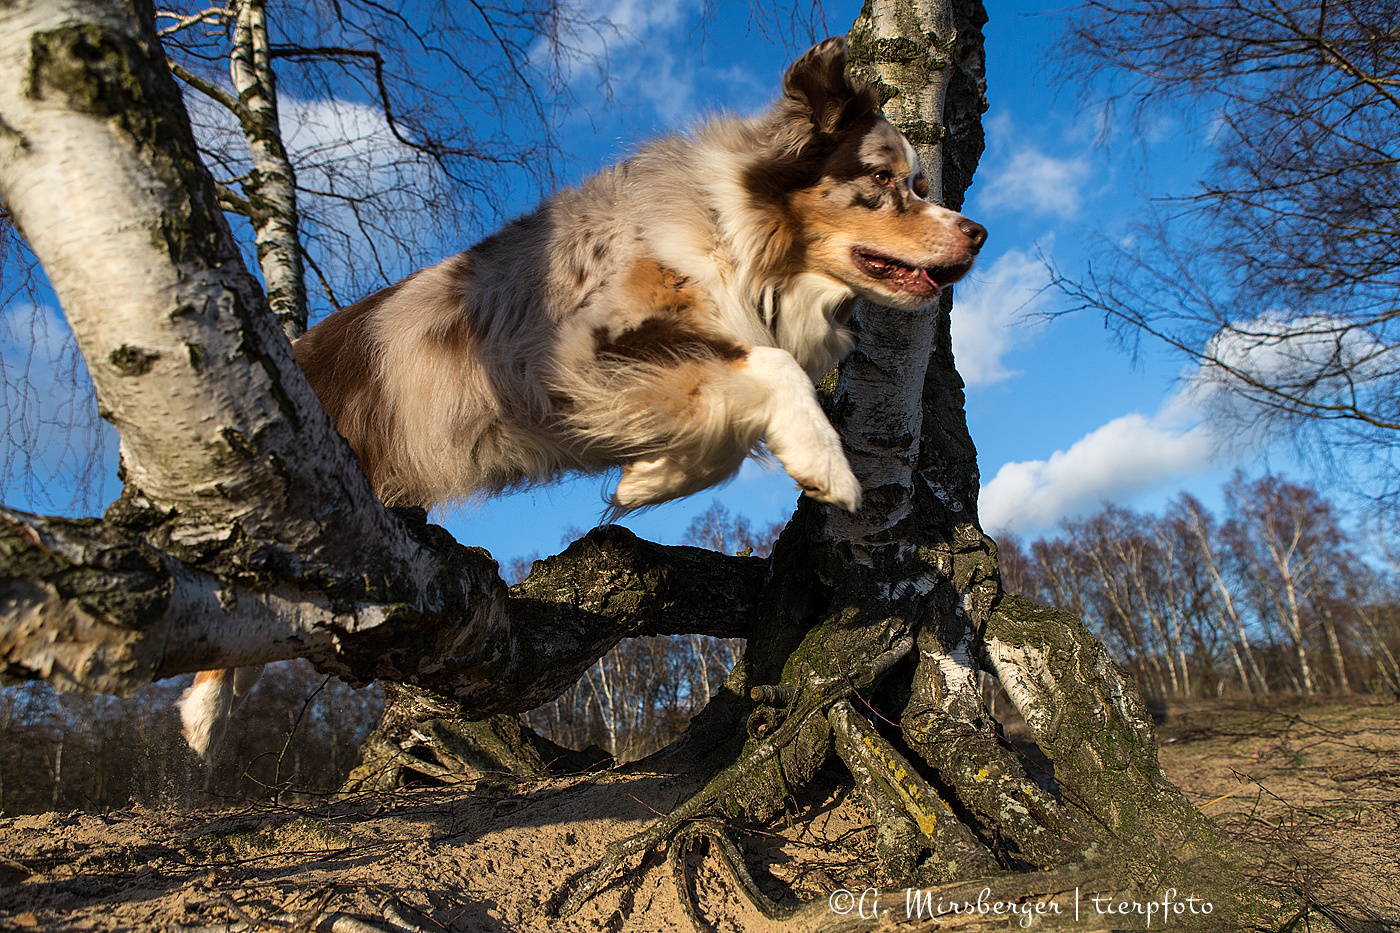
(1203, 536)
(271, 184)
(1334, 644)
(1289, 566)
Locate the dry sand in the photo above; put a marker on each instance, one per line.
(1313, 791)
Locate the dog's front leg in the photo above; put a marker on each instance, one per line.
(795, 430)
(711, 413)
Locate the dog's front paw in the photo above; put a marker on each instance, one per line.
(814, 458)
(810, 451)
(837, 485)
(796, 431)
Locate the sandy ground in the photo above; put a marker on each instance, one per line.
(1312, 791)
(445, 860)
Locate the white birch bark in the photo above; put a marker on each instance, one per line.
(1172, 593)
(1284, 547)
(881, 383)
(271, 184)
(1388, 666)
(1235, 657)
(214, 416)
(1334, 644)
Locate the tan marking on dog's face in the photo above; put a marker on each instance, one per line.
(867, 224)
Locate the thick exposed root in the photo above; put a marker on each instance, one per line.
(923, 836)
(1024, 823)
(956, 851)
(423, 739)
(963, 821)
(767, 743)
(715, 833)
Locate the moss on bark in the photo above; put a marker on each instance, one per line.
(109, 74)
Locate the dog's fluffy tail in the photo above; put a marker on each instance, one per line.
(206, 706)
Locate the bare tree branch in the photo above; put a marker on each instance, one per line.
(1279, 276)
(93, 606)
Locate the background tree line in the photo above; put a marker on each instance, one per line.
(1277, 594)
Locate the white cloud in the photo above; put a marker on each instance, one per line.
(1199, 426)
(1313, 356)
(340, 142)
(1311, 359)
(337, 146)
(629, 46)
(361, 188)
(1125, 456)
(993, 312)
(1030, 180)
(666, 82)
(601, 26)
(655, 58)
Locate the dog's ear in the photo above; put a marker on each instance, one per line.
(817, 82)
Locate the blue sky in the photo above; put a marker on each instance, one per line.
(1063, 418)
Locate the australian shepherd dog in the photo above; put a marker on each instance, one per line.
(667, 316)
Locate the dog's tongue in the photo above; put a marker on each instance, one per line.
(916, 280)
(908, 278)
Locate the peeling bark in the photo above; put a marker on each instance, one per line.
(219, 430)
(423, 735)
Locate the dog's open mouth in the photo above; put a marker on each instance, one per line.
(900, 275)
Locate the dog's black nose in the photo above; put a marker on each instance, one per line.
(975, 232)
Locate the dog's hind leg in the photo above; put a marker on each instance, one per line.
(205, 707)
(660, 479)
(644, 482)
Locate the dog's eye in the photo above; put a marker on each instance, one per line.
(882, 177)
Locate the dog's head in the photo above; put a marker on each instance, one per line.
(849, 192)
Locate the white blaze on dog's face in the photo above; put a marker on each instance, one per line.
(867, 223)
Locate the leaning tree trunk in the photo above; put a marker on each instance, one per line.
(271, 183)
(269, 198)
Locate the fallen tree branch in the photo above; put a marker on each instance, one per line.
(89, 605)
